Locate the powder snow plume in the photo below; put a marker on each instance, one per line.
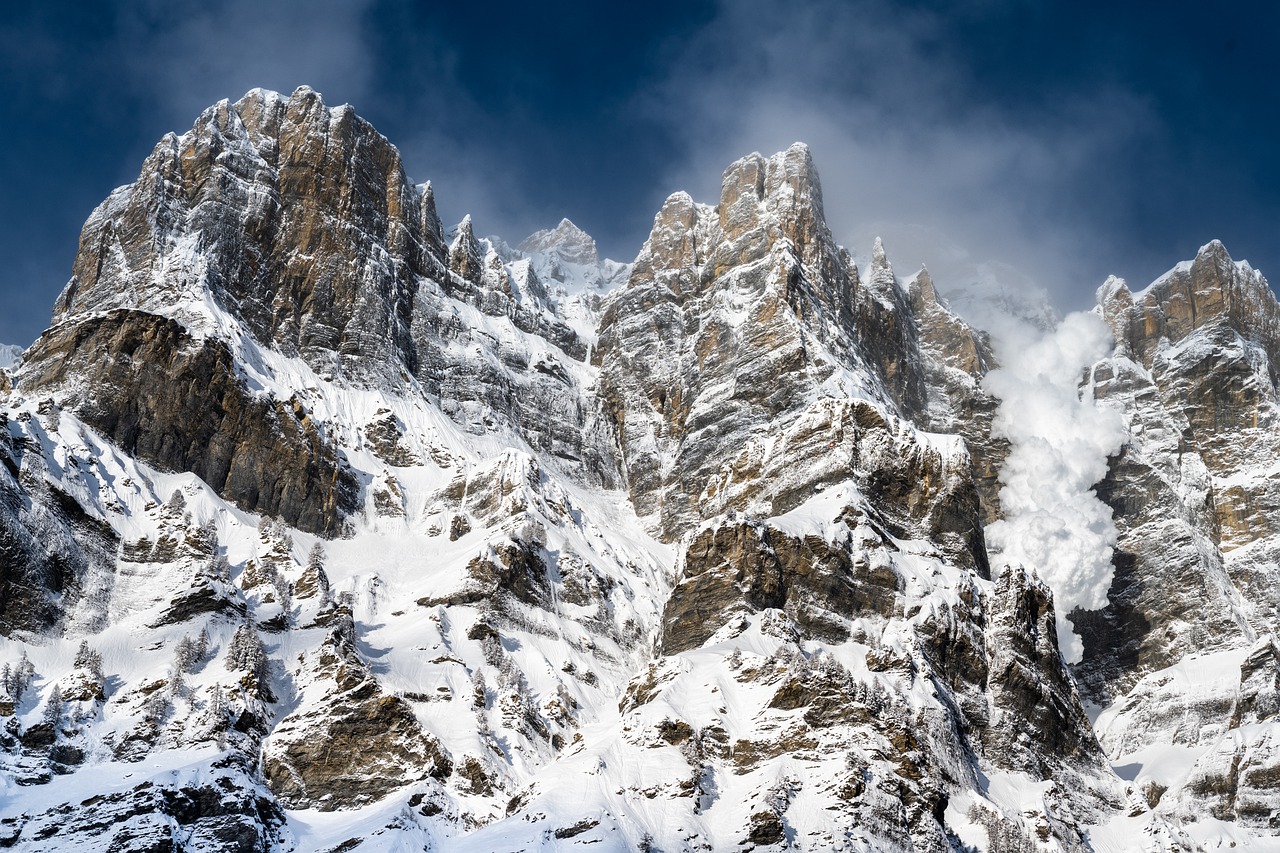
(1053, 521)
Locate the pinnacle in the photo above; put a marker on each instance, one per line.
(877, 252)
(566, 239)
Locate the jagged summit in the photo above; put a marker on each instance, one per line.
(566, 240)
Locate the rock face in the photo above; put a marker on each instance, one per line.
(295, 218)
(744, 313)
(279, 224)
(490, 547)
(1196, 501)
(1194, 491)
(358, 746)
(179, 402)
(51, 550)
(955, 359)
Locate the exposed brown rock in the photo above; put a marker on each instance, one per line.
(179, 403)
(1041, 726)
(956, 358)
(355, 746)
(731, 321)
(742, 568)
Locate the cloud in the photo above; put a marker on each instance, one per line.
(1053, 521)
(906, 139)
(184, 56)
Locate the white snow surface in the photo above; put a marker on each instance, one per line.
(10, 356)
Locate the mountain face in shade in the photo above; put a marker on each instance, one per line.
(325, 527)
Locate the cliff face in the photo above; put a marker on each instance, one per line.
(1196, 500)
(308, 505)
(740, 324)
(280, 226)
(294, 218)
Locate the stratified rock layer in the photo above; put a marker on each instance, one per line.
(180, 403)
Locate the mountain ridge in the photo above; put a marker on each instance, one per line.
(480, 548)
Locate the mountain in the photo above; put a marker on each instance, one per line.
(324, 527)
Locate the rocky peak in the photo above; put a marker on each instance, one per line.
(1115, 302)
(1210, 290)
(466, 260)
(429, 220)
(781, 192)
(922, 291)
(756, 314)
(287, 214)
(944, 338)
(567, 240)
(280, 229)
(880, 277)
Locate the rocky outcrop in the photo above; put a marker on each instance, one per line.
(734, 569)
(1038, 722)
(734, 319)
(357, 746)
(225, 814)
(955, 358)
(1193, 491)
(51, 550)
(179, 403)
(294, 224)
(295, 218)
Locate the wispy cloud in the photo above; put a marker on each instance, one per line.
(187, 55)
(908, 143)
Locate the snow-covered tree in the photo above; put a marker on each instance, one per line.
(19, 678)
(246, 652)
(217, 709)
(219, 568)
(189, 653)
(314, 580)
(177, 684)
(53, 707)
(89, 660)
(177, 501)
(209, 533)
(156, 707)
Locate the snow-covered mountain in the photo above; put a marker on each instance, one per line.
(325, 528)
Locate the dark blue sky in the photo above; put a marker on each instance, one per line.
(1072, 139)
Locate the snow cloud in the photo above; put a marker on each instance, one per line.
(1054, 522)
(912, 146)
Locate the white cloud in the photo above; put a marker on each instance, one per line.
(1053, 521)
(903, 137)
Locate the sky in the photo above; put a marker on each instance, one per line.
(1068, 141)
